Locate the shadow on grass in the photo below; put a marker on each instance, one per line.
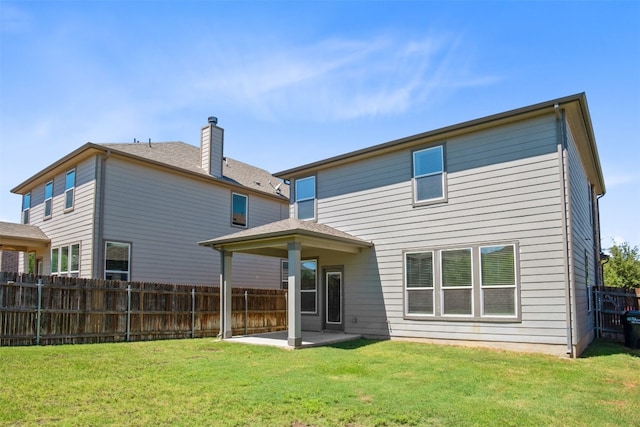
(601, 347)
(352, 345)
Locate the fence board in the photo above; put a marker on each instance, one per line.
(76, 311)
(611, 304)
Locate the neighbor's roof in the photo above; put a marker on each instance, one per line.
(15, 236)
(577, 113)
(175, 155)
(186, 156)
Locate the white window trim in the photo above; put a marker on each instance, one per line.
(284, 274)
(246, 208)
(421, 288)
(314, 198)
(49, 200)
(70, 189)
(26, 211)
(314, 290)
(514, 286)
(68, 272)
(476, 289)
(442, 199)
(104, 261)
(471, 287)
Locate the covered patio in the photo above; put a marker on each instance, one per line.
(291, 239)
(309, 339)
(23, 238)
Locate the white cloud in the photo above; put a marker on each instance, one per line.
(618, 179)
(337, 79)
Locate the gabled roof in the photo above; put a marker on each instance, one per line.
(187, 157)
(21, 237)
(577, 114)
(177, 156)
(273, 238)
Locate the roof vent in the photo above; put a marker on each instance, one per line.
(213, 120)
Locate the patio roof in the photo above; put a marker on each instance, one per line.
(21, 237)
(272, 239)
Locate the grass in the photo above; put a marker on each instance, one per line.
(362, 383)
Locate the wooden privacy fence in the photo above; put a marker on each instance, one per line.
(611, 304)
(63, 310)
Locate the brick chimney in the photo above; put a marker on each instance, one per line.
(211, 146)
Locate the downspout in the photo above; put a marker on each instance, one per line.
(597, 246)
(566, 225)
(98, 267)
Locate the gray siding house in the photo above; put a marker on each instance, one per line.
(135, 212)
(481, 233)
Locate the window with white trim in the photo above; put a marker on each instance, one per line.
(309, 287)
(69, 189)
(457, 282)
(284, 274)
(305, 198)
(419, 282)
(26, 207)
(116, 261)
(65, 260)
(498, 280)
(478, 282)
(55, 259)
(239, 208)
(429, 175)
(48, 199)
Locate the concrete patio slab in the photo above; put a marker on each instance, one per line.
(309, 339)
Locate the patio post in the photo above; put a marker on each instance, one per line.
(225, 294)
(295, 275)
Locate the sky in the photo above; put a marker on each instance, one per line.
(292, 82)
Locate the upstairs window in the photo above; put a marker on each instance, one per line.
(306, 198)
(26, 207)
(239, 210)
(428, 175)
(69, 189)
(48, 199)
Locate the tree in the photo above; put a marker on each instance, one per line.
(623, 268)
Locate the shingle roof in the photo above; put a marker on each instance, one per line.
(187, 157)
(287, 227)
(22, 231)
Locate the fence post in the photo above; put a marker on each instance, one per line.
(38, 316)
(128, 312)
(193, 313)
(246, 313)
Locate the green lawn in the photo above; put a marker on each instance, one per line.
(362, 383)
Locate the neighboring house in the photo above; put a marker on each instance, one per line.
(9, 260)
(135, 212)
(483, 233)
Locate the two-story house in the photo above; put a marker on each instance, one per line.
(484, 233)
(135, 211)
